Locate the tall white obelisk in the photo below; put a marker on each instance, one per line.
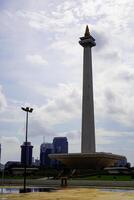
(88, 128)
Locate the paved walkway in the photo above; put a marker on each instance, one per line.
(71, 183)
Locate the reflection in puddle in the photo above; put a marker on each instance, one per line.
(21, 190)
(117, 190)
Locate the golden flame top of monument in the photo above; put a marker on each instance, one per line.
(87, 33)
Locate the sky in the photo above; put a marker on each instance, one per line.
(41, 66)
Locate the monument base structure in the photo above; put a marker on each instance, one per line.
(97, 160)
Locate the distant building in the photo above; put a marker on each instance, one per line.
(1, 167)
(11, 164)
(60, 145)
(0, 153)
(20, 171)
(121, 163)
(26, 153)
(32, 160)
(45, 149)
(36, 162)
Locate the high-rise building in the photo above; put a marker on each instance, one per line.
(45, 149)
(60, 145)
(26, 153)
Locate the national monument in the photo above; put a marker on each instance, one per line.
(88, 130)
(88, 158)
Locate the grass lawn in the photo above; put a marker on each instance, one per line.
(109, 177)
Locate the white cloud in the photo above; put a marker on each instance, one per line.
(106, 136)
(36, 59)
(63, 106)
(38, 128)
(3, 101)
(114, 95)
(74, 140)
(8, 140)
(10, 149)
(43, 20)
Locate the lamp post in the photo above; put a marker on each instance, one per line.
(27, 110)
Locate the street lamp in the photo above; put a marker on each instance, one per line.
(27, 110)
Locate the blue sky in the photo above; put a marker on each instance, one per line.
(41, 67)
